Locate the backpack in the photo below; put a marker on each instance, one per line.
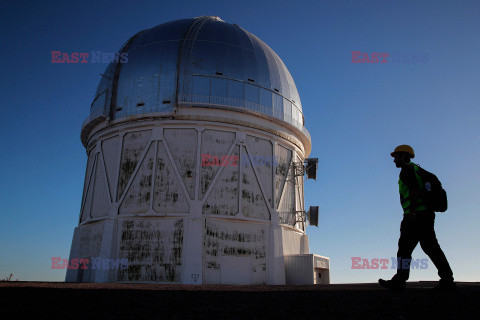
(435, 196)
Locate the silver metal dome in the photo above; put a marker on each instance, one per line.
(202, 62)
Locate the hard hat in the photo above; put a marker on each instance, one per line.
(403, 148)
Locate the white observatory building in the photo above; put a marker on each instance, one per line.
(196, 148)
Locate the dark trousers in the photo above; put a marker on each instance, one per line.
(420, 229)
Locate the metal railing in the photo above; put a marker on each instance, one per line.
(243, 104)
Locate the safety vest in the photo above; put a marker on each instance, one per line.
(405, 193)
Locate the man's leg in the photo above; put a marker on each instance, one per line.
(429, 244)
(406, 244)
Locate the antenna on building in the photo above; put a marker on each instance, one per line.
(311, 166)
(308, 167)
(313, 216)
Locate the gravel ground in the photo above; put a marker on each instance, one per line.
(163, 301)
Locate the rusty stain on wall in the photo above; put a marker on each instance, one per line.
(137, 199)
(253, 202)
(184, 154)
(223, 200)
(168, 195)
(153, 249)
(235, 239)
(217, 143)
(261, 151)
(134, 143)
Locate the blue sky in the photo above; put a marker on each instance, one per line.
(356, 114)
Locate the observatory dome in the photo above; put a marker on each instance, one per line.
(196, 152)
(199, 62)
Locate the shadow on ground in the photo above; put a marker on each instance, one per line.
(160, 301)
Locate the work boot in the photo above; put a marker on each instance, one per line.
(394, 284)
(446, 286)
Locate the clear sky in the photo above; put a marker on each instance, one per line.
(356, 114)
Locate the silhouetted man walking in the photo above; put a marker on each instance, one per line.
(417, 225)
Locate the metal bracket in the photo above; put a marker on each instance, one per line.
(299, 169)
(303, 216)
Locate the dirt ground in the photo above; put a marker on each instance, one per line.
(55, 300)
